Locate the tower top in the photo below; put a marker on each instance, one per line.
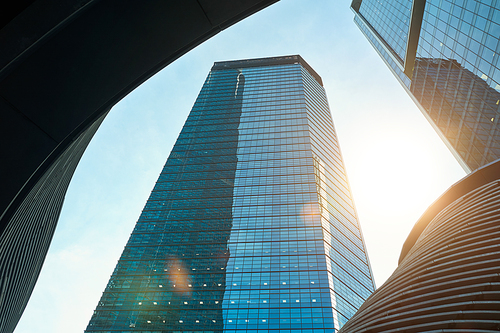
(271, 61)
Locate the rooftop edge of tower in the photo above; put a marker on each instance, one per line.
(271, 61)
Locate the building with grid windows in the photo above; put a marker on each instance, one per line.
(251, 225)
(445, 53)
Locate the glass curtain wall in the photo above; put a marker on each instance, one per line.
(455, 77)
(251, 225)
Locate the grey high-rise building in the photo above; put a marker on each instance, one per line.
(251, 225)
(445, 53)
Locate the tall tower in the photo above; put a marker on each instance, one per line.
(445, 53)
(251, 224)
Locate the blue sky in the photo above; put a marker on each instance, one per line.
(395, 161)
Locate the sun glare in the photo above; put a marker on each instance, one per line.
(393, 180)
(393, 175)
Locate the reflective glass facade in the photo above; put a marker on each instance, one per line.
(391, 19)
(455, 77)
(251, 225)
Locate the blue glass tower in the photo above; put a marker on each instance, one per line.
(445, 53)
(251, 225)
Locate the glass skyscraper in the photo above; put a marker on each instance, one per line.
(445, 53)
(251, 225)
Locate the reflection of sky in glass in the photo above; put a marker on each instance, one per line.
(467, 31)
(348, 271)
(456, 75)
(171, 275)
(391, 19)
(251, 224)
(277, 273)
(395, 65)
(275, 255)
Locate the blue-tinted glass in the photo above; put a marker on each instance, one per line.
(455, 76)
(391, 19)
(458, 90)
(384, 53)
(251, 225)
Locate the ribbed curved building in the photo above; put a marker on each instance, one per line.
(448, 278)
(26, 239)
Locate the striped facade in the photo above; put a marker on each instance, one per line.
(26, 239)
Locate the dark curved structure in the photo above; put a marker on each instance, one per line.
(448, 278)
(63, 65)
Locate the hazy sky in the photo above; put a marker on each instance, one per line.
(396, 163)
